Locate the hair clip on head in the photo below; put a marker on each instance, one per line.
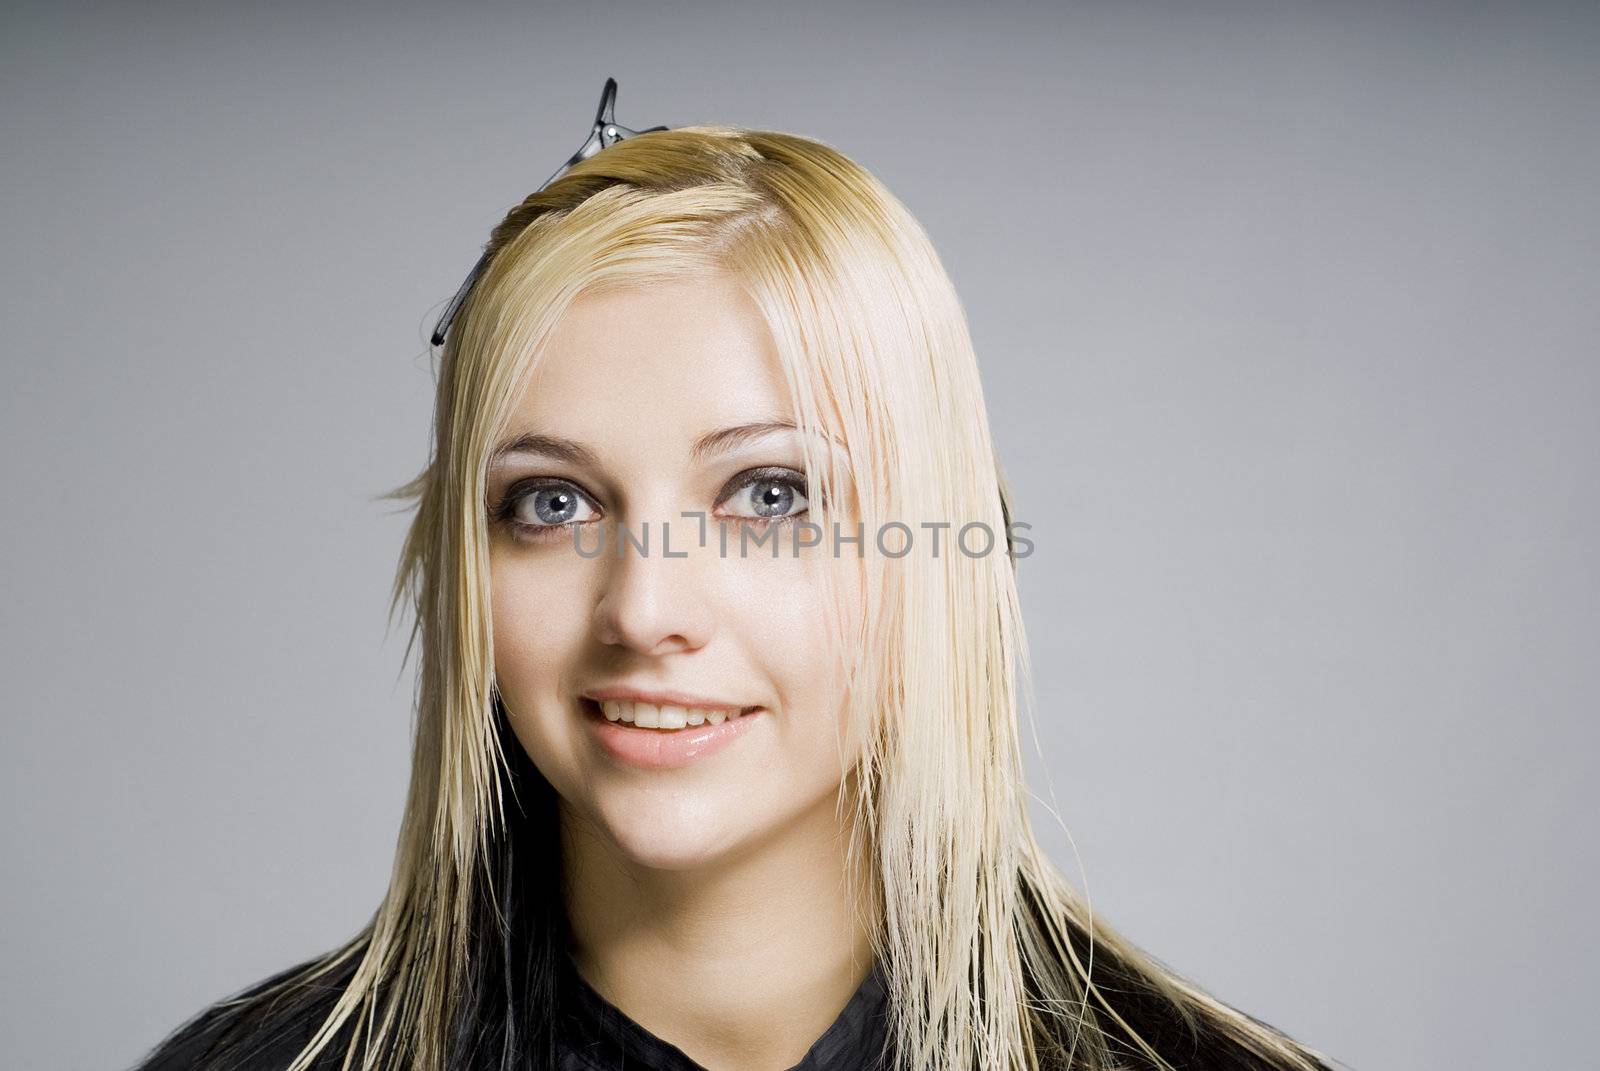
(606, 133)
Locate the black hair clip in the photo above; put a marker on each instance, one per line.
(605, 134)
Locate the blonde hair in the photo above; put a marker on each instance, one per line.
(992, 959)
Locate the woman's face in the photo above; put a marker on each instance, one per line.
(649, 403)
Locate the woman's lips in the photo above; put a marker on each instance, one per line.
(658, 746)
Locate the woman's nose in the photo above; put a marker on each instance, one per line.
(652, 603)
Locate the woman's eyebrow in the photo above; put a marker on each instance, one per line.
(549, 445)
(719, 442)
(576, 453)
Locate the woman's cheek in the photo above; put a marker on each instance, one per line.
(778, 607)
(539, 625)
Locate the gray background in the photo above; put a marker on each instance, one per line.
(1287, 319)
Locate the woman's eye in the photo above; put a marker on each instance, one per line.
(541, 510)
(769, 496)
(548, 506)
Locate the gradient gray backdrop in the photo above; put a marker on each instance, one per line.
(1287, 318)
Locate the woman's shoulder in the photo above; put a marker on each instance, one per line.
(261, 1028)
(201, 1043)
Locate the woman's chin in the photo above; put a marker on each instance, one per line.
(681, 836)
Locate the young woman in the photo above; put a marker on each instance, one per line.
(717, 758)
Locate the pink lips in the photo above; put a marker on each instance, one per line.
(663, 749)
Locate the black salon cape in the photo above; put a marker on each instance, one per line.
(599, 1037)
(592, 1034)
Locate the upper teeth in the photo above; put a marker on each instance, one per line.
(650, 716)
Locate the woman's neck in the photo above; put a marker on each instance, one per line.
(742, 964)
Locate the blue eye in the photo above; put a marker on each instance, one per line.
(556, 505)
(547, 506)
(770, 495)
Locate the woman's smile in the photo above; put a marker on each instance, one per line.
(664, 737)
(657, 729)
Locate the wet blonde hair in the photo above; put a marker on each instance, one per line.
(992, 959)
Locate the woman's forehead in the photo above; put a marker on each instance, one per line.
(691, 340)
(663, 362)
(684, 369)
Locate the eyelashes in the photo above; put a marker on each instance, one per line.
(542, 508)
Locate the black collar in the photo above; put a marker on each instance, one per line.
(592, 1034)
